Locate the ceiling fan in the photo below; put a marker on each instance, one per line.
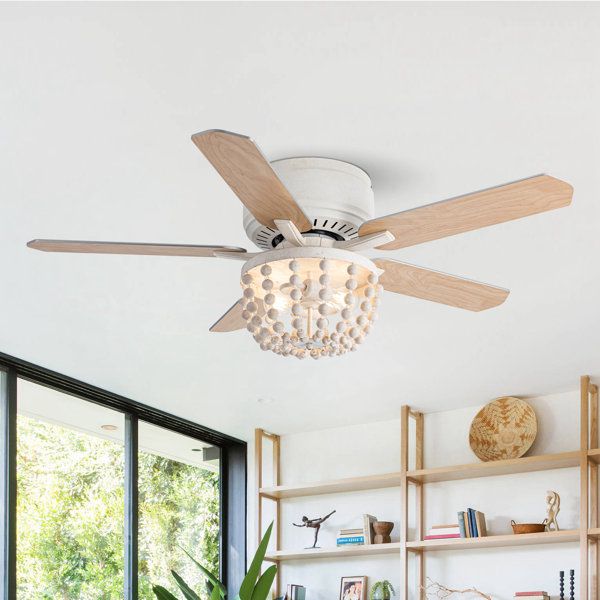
(309, 291)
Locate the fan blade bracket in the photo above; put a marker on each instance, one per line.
(290, 232)
(249, 174)
(366, 242)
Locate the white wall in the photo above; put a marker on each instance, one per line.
(374, 448)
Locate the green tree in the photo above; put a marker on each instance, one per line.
(70, 516)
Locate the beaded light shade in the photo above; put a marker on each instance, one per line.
(310, 301)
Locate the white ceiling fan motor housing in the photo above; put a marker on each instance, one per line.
(335, 195)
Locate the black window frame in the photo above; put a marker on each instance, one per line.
(232, 473)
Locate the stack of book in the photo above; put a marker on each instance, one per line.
(443, 532)
(295, 592)
(472, 523)
(532, 595)
(358, 536)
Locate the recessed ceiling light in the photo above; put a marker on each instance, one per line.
(109, 427)
(196, 449)
(263, 400)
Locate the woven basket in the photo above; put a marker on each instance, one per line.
(504, 428)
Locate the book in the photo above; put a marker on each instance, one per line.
(472, 522)
(461, 524)
(355, 531)
(480, 522)
(528, 594)
(467, 524)
(355, 539)
(442, 537)
(444, 530)
(369, 532)
(444, 526)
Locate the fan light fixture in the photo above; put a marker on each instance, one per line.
(309, 301)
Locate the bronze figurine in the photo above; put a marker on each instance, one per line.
(315, 524)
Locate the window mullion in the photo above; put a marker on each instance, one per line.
(8, 489)
(131, 507)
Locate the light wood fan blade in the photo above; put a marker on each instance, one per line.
(473, 211)
(426, 284)
(232, 320)
(127, 248)
(248, 173)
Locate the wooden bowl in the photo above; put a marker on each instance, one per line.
(528, 527)
(504, 428)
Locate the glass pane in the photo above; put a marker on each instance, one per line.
(179, 508)
(70, 486)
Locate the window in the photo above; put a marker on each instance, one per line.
(70, 497)
(102, 494)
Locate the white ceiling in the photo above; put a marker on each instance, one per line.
(97, 104)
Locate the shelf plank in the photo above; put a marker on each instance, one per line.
(594, 532)
(496, 541)
(352, 484)
(346, 551)
(528, 464)
(594, 455)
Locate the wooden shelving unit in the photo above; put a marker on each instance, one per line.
(587, 458)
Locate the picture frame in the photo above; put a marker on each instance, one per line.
(353, 588)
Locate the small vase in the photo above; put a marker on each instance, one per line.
(382, 532)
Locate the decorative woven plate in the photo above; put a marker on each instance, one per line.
(504, 428)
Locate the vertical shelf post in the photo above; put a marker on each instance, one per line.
(259, 437)
(420, 499)
(593, 484)
(404, 501)
(584, 487)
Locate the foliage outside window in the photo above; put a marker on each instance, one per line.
(70, 516)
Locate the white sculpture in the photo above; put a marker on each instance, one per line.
(552, 508)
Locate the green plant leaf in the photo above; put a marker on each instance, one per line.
(249, 582)
(216, 593)
(212, 578)
(162, 594)
(263, 586)
(188, 592)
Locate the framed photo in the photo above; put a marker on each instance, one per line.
(353, 588)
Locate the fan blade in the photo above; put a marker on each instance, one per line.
(426, 284)
(248, 173)
(473, 211)
(127, 248)
(232, 320)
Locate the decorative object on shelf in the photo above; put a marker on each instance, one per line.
(382, 532)
(382, 590)
(295, 592)
(314, 524)
(553, 508)
(437, 590)
(368, 522)
(353, 588)
(519, 528)
(254, 586)
(504, 428)
(572, 584)
(561, 577)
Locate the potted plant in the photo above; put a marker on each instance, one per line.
(254, 587)
(382, 590)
